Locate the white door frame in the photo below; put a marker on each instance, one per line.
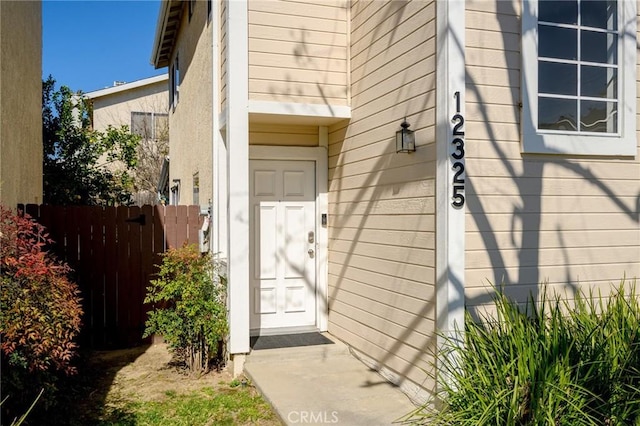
(319, 156)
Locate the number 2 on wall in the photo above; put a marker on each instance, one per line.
(458, 155)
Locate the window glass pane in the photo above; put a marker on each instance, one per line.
(561, 43)
(599, 47)
(599, 82)
(141, 124)
(561, 12)
(161, 127)
(557, 78)
(557, 114)
(598, 116)
(599, 14)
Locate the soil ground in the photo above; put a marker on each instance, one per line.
(110, 381)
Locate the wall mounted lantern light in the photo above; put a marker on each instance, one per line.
(405, 138)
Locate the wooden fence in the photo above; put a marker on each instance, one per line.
(113, 252)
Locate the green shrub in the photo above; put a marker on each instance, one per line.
(552, 363)
(190, 306)
(40, 314)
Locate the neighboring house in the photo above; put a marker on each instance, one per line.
(20, 103)
(526, 165)
(190, 78)
(143, 106)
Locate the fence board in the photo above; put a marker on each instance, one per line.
(122, 291)
(171, 227)
(96, 273)
(114, 259)
(135, 278)
(182, 223)
(193, 215)
(146, 261)
(111, 277)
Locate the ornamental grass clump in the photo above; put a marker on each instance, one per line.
(189, 299)
(554, 362)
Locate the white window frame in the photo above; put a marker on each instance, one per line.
(174, 83)
(552, 142)
(154, 116)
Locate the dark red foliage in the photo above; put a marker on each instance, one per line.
(40, 309)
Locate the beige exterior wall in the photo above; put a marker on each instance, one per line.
(190, 123)
(567, 220)
(20, 102)
(115, 109)
(382, 203)
(298, 51)
(223, 54)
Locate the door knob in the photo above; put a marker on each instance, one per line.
(311, 253)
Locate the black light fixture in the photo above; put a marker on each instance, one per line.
(405, 138)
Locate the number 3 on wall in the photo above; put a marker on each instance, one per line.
(458, 155)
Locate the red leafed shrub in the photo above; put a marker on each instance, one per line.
(40, 309)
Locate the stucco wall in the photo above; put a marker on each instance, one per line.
(20, 102)
(115, 109)
(222, 34)
(570, 221)
(382, 203)
(190, 123)
(298, 51)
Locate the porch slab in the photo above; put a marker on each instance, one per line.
(324, 384)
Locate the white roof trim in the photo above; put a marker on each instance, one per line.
(126, 86)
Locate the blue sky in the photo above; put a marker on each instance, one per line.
(87, 45)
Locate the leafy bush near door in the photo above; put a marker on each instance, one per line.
(555, 362)
(189, 311)
(40, 315)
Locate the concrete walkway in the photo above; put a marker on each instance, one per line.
(324, 384)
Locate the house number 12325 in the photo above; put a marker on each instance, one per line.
(458, 155)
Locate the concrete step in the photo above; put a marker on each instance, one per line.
(316, 352)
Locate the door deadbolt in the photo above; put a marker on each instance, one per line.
(311, 237)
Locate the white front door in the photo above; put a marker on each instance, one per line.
(283, 244)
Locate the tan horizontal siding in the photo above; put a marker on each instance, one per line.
(387, 38)
(602, 239)
(548, 256)
(305, 90)
(554, 204)
(382, 192)
(399, 206)
(401, 176)
(407, 288)
(380, 134)
(298, 51)
(540, 168)
(365, 297)
(382, 204)
(544, 221)
(570, 221)
(286, 135)
(416, 256)
(525, 186)
(524, 277)
(275, 35)
(386, 349)
(375, 150)
(380, 238)
(523, 292)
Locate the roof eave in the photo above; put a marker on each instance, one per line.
(166, 32)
